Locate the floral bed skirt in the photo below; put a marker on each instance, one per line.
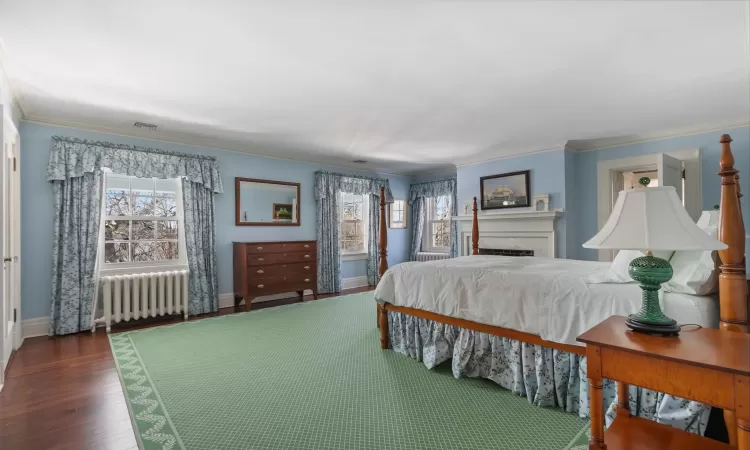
(546, 377)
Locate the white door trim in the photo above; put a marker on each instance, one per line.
(605, 176)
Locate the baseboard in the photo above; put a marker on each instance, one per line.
(226, 300)
(38, 326)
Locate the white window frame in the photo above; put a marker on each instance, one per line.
(136, 267)
(358, 256)
(427, 232)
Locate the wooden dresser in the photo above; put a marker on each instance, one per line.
(267, 268)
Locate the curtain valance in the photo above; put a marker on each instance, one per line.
(433, 189)
(330, 183)
(71, 158)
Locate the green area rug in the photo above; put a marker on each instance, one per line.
(313, 376)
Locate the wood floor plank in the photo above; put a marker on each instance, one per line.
(64, 393)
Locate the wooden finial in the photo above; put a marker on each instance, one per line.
(726, 161)
(474, 231)
(383, 241)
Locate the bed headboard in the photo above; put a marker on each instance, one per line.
(732, 278)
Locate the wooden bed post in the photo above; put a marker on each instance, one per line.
(474, 231)
(383, 241)
(732, 279)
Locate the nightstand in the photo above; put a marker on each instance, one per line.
(706, 365)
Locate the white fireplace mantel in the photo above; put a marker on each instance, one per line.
(514, 215)
(522, 230)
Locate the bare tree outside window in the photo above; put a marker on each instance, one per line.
(438, 224)
(140, 223)
(353, 235)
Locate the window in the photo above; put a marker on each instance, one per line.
(354, 226)
(437, 233)
(397, 214)
(142, 223)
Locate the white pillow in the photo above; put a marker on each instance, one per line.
(618, 271)
(694, 271)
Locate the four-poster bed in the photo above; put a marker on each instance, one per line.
(732, 290)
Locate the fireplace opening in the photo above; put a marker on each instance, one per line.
(505, 252)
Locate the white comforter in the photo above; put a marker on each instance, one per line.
(547, 297)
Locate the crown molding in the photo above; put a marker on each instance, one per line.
(667, 134)
(208, 144)
(514, 155)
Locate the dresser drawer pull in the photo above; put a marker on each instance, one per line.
(307, 256)
(307, 267)
(258, 248)
(307, 280)
(260, 271)
(261, 259)
(260, 286)
(307, 246)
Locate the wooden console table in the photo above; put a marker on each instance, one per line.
(706, 365)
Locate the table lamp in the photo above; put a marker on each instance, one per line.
(650, 219)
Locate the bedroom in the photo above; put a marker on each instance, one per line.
(385, 93)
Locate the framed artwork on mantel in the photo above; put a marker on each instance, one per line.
(505, 190)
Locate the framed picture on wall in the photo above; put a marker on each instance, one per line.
(505, 190)
(397, 212)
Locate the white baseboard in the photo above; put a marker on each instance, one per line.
(38, 326)
(226, 300)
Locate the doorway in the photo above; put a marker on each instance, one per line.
(679, 169)
(10, 243)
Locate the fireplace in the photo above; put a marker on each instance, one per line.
(505, 252)
(523, 233)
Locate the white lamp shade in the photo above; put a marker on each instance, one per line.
(651, 219)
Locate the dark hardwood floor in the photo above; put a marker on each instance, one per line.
(64, 392)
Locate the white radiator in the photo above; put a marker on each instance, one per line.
(424, 256)
(132, 297)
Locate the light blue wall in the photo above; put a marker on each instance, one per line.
(547, 177)
(37, 208)
(572, 207)
(586, 197)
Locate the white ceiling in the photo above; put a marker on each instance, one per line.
(407, 85)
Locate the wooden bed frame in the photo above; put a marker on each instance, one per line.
(733, 283)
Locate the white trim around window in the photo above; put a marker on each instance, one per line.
(427, 237)
(138, 267)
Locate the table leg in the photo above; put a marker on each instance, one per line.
(743, 434)
(597, 414)
(623, 399)
(742, 414)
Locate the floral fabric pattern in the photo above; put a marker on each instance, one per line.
(417, 194)
(200, 244)
(75, 243)
(328, 186)
(74, 168)
(72, 158)
(418, 213)
(545, 376)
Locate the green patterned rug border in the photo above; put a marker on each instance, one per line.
(140, 390)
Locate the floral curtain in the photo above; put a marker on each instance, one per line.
(546, 377)
(430, 189)
(74, 168)
(75, 242)
(328, 186)
(417, 227)
(200, 243)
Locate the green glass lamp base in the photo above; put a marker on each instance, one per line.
(651, 272)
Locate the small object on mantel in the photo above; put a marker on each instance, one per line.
(706, 365)
(541, 202)
(651, 219)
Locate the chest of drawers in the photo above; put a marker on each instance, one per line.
(268, 268)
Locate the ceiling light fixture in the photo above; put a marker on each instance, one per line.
(148, 126)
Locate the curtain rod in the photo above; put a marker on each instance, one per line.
(130, 147)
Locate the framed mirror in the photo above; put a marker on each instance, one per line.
(266, 202)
